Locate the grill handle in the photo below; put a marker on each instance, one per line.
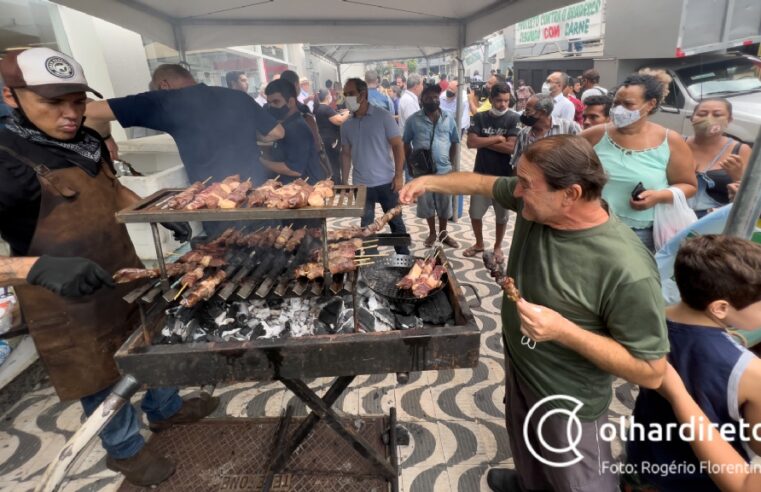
(472, 304)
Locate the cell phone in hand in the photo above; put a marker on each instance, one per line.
(637, 190)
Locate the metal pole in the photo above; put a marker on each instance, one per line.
(458, 111)
(747, 207)
(56, 471)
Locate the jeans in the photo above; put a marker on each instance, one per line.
(388, 199)
(334, 156)
(121, 437)
(646, 236)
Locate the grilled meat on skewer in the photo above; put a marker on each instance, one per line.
(344, 234)
(236, 197)
(426, 283)
(504, 281)
(204, 290)
(126, 275)
(259, 196)
(295, 240)
(384, 219)
(322, 191)
(210, 196)
(193, 276)
(423, 277)
(183, 198)
(358, 232)
(315, 270)
(283, 237)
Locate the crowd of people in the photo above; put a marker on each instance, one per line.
(581, 167)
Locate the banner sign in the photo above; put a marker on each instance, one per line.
(580, 21)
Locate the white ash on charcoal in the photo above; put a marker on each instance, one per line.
(217, 321)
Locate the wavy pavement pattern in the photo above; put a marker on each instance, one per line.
(455, 417)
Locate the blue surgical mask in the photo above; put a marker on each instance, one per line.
(623, 117)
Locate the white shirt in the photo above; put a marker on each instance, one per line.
(451, 106)
(564, 109)
(594, 91)
(408, 105)
(261, 100)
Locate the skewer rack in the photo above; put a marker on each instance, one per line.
(348, 201)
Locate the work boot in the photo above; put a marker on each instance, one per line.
(144, 469)
(506, 480)
(192, 410)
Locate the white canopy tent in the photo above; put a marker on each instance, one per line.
(203, 24)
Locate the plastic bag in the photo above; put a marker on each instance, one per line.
(712, 223)
(672, 218)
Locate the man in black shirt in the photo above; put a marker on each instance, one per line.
(296, 155)
(493, 133)
(329, 124)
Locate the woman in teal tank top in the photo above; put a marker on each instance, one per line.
(635, 150)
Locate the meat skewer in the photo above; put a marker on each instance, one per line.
(374, 228)
(259, 196)
(183, 198)
(204, 290)
(211, 195)
(126, 275)
(236, 197)
(423, 277)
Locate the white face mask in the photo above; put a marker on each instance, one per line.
(545, 88)
(496, 112)
(623, 117)
(352, 104)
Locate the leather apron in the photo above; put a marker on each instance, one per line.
(76, 338)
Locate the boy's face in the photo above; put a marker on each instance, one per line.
(748, 318)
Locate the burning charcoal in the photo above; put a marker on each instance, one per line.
(273, 331)
(330, 313)
(230, 335)
(223, 320)
(384, 316)
(322, 329)
(345, 321)
(243, 313)
(403, 322)
(366, 319)
(246, 332)
(404, 308)
(436, 310)
(301, 329)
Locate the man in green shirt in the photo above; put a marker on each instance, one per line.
(590, 309)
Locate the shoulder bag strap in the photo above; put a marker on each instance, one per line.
(43, 173)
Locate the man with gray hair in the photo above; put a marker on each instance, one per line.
(409, 103)
(538, 122)
(376, 97)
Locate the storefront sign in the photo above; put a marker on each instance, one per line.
(579, 21)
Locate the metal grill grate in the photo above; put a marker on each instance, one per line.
(231, 455)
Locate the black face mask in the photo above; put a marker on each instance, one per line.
(450, 94)
(279, 113)
(430, 107)
(529, 120)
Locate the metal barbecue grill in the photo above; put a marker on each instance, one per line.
(383, 276)
(290, 360)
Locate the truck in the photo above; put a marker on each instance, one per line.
(706, 46)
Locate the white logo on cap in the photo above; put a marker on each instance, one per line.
(59, 67)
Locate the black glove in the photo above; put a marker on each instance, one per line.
(68, 277)
(181, 230)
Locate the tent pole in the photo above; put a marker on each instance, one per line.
(179, 41)
(747, 207)
(458, 111)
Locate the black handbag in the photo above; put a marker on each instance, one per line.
(420, 162)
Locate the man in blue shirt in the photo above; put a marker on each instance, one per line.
(295, 156)
(371, 141)
(215, 128)
(376, 97)
(434, 130)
